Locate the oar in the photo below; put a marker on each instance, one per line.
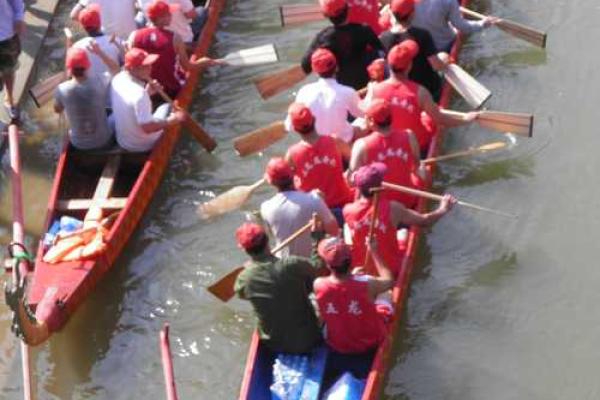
(259, 139)
(271, 84)
(298, 14)
(468, 87)
(224, 287)
(531, 35)
(503, 122)
(230, 200)
(473, 150)
(437, 197)
(42, 92)
(253, 56)
(372, 227)
(192, 126)
(167, 363)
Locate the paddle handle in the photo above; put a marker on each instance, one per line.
(292, 237)
(167, 363)
(463, 153)
(472, 13)
(257, 184)
(372, 226)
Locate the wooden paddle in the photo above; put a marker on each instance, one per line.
(504, 122)
(299, 14)
(437, 197)
(531, 35)
(42, 92)
(253, 56)
(167, 363)
(472, 150)
(223, 289)
(192, 126)
(271, 84)
(259, 139)
(468, 87)
(230, 200)
(372, 228)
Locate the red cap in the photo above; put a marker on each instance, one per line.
(332, 8)
(334, 252)
(323, 61)
(403, 8)
(137, 57)
(379, 111)
(369, 176)
(401, 55)
(301, 117)
(89, 17)
(249, 235)
(77, 58)
(158, 9)
(278, 171)
(376, 70)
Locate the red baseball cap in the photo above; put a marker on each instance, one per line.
(401, 55)
(278, 171)
(332, 8)
(249, 235)
(369, 176)
(158, 9)
(301, 117)
(77, 58)
(403, 8)
(334, 252)
(376, 70)
(323, 61)
(137, 57)
(89, 17)
(379, 111)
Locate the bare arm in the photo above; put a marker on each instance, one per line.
(439, 116)
(75, 11)
(401, 214)
(385, 280)
(439, 61)
(113, 65)
(356, 158)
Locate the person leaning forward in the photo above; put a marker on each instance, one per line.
(278, 290)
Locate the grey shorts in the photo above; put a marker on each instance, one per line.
(9, 54)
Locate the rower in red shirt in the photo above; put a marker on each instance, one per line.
(365, 12)
(409, 99)
(317, 161)
(391, 214)
(397, 149)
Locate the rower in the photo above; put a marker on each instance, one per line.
(317, 161)
(83, 99)
(443, 19)
(102, 50)
(397, 149)
(390, 215)
(118, 17)
(354, 45)
(289, 209)
(169, 46)
(428, 60)
(408, 99)
(329, 101)
(278, 290)
(355, 309)
(137, 129)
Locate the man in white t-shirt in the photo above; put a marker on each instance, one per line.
(184, 17)
(118, 16)
(290, 209)
(137, 129)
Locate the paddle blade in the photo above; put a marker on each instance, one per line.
(275, 83)
(230, 200)
(259, 139)
(223, 289)
(44, 91)
(533, 36)
(516, 123)
(298, 14)
(254, 56)
(468, 87)
(200, 134)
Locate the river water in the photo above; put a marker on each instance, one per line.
(498, 309)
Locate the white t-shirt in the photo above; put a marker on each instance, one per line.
(98, 70)
(118, 16)
(132, 107)
(330, 103)
(286, 212)
(180, 24)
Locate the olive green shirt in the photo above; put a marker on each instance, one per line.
(278, 290)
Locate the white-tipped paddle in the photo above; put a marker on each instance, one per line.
(473, 150)
(254, 56)
(468, 87)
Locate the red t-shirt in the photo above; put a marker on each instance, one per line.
(319, 166)
(352, 323)
(365, 12)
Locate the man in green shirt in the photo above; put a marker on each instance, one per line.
(278, 290)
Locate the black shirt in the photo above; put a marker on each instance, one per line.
(354, 46)
(421, 72)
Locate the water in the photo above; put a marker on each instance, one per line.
(498, 309)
